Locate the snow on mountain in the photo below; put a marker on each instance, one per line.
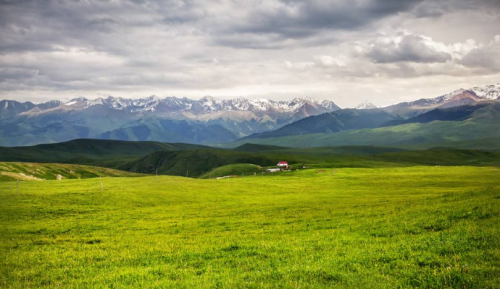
(366, 105)
(485, 92)
(455, 98)
(205, 105)
(488, 92)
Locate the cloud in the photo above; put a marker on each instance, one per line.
(487, 56)
(433, 9)
(190, 47)
(288, 20)
(407, 48)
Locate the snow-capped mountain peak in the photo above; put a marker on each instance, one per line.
(204, 105)
(488, 92)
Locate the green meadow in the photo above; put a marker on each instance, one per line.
(418, 226)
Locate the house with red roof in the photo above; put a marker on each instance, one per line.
(282, 164)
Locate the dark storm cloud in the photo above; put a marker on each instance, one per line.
(434, 8)
(293, 19)
(42, 25)
(301, 18)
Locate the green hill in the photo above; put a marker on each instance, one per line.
(249, 147)
(194, 163)
(234, 169)
(443, 156)
(339, 150)
(38, 171)
(108, 153)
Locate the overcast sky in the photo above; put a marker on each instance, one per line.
(347, 51)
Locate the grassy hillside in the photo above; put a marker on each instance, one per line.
(235, 169)
(425, 227)
(89, 151)
(484, 123)
(444, 157)
(194, 163)
(248, 147)
(37, 171)
(340, 150)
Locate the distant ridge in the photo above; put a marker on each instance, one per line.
(203, 121)
(458, 97)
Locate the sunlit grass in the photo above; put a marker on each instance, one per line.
(318, 228)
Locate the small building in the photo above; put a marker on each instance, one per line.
(282, 164)
(272, 170)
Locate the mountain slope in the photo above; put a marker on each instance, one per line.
(483, 123)
(11, 108)
(443, 114)
(332, 122)
(164, 130)
(456, 98)
(88, 151)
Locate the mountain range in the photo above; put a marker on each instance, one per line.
(170, 119)
(474, 126)
(209, 120)
(456, 98)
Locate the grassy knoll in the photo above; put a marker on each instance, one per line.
(235, 169)
(319, 228)
(34, 171)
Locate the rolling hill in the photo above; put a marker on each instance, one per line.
(89, 151)
(234, 169)
(194, 163)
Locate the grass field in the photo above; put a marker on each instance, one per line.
(319, 228)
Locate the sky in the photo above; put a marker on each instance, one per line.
(348, 51)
